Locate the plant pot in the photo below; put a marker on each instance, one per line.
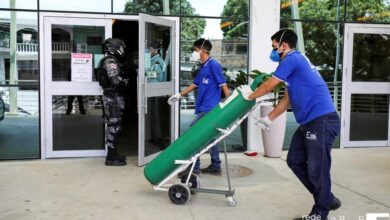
(273, 139)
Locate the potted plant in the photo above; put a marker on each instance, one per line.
(272, 139)
(241, 79)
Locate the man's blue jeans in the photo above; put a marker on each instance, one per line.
(310, 159)
(214, 151)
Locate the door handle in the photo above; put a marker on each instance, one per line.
(143, 98)
(146, 96)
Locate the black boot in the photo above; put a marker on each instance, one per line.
(113, 159)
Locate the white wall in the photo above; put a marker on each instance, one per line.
(264, 22)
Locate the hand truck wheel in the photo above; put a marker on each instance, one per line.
(231, 201)
(179, 193)
(193, 183)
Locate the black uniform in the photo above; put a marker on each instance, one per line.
(113, 80)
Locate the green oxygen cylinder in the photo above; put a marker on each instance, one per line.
(199, 135)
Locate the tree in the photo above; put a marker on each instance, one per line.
(320, 37)
(191, 28)
(235, 27)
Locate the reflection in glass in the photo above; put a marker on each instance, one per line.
(311, 10)
(19, 4)
(79, 128)
(369, 117)
(157, 125)
(18, 32)
(155, 7)
(76, 5)
(19, 123)
(158, 54)
(368, 11)
(371, 58)
(67, 39)
(216, 8)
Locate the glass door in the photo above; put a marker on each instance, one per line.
(366, 86)
(72, 109)
(156, 83)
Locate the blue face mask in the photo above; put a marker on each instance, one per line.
(275, 56)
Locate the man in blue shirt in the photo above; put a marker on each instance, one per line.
(309, 154)
(209, 82)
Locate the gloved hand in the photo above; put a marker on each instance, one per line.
(264, 123)
(174, 98)
(246, 91)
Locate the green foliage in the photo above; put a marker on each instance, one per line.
(241, 79)
(368, 11)
(320, 38)
(235, 28)
(260, 77)
(191, 29)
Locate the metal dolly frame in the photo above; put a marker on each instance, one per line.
(180, 193)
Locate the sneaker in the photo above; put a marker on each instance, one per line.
(311, 217)
(212, 170)
(335, 204)
(185, 172)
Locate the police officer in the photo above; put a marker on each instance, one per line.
(309, 154)
(112, 79)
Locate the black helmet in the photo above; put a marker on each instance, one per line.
(115, 47)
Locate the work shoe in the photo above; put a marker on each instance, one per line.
(115, 160)
(185, 172)
(335, 204)
(212, 170)
(311, 217)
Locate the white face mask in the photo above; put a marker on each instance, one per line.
(195, 56)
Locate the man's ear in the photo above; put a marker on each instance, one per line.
(285, 45)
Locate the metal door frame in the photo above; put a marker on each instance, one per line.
(350, 87)
(156, 89)
(45, 72)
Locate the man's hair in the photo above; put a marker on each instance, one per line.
(203, 44)
(286, 35)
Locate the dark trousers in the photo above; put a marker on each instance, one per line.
(310, 159)
(70, 103)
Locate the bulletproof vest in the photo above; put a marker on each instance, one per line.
(102, 75)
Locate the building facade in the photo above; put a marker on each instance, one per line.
(348, 42)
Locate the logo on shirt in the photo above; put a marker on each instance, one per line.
(205, 81)
(311, 136)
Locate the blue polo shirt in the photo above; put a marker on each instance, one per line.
(309, 95)
(209, 81)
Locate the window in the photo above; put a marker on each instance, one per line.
(19, 4)
(76, 5)
(22, 68)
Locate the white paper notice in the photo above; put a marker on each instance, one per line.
(81, 67)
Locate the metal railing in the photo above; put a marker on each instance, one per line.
(370, 103)
(60, 47)
(33, 47)
(27, 48)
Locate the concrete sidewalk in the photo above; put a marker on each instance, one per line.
(86, 189)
